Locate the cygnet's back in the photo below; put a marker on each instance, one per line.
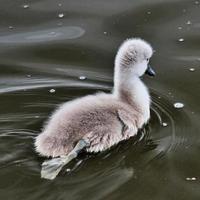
(94, 118)
(103, 119)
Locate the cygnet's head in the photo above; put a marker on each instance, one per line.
(133, 58)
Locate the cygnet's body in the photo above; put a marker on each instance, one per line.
(103, 120)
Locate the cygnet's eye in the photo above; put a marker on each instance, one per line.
(147, 59)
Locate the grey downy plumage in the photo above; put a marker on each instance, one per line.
(97, 122)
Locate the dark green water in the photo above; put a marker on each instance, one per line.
(40, 51)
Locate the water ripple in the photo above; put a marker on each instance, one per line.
(47, 35)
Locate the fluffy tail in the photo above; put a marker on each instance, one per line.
(50, 146)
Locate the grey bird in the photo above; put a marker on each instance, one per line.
(97, 122)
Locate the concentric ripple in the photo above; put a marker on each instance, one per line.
(113, 168)
(170, 120)
(163, 138)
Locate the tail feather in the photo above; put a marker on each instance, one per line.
(47, 145)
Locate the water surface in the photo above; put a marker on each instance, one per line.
(46, 45)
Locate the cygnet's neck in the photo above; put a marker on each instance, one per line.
(131, 90)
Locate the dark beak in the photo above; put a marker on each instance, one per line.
(150, 71)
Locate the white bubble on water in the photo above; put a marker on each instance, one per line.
(164, 124)
(26, 6)
(10, 27)
(191, 178)
(60, 4)
(52, 90)
(188, 22)
(61, 15)
(180, 28)
(192, 69)
(181, 39)
(178, 105)
(82, 77)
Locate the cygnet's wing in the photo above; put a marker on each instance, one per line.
(52, 167)
(130, 123)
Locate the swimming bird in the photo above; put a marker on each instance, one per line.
(97, 122)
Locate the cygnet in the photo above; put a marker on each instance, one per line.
(99, 121)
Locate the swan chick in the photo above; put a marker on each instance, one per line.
(97, 122)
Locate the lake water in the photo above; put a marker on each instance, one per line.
(52, 51)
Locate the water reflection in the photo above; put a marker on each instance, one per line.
(47, 35)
